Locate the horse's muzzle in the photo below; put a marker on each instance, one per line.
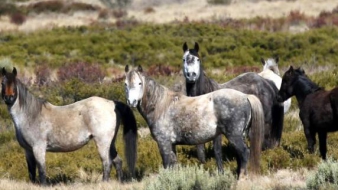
(132, 104)
(9, 100)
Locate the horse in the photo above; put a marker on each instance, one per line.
(41, 126)
(271, 72)
(176, 119)
(317, 107)
(197, 83)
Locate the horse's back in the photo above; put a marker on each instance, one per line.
(252, 83)
(270, 75)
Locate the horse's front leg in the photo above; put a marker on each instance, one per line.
(31, 165)
(167, 153)
(40, 158)
(322, 144)
(310, 135)
(201, 152)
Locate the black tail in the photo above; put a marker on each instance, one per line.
(334, 105)
(129, 135)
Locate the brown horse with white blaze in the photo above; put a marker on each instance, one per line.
(41, 126)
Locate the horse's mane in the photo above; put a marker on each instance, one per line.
(308, 85)
(29, 103)
(157, 97)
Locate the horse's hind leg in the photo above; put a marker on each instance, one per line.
(217, 142)
(103, 147)
(322, 144)
(31, 165)
(117, 161)
(242, 153)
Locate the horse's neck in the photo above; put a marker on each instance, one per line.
(304, 87)
(202, 86)
(27, 106)
(152, 95)
(270, 75)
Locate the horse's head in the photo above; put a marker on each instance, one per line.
(191, 63)
(289, 79)
(271, 64)
(8, 86)
(134, 85)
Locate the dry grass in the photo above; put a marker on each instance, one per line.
(282, 179)
(7, 184)
(200, 10)
(164, 11)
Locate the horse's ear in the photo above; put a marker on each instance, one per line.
(139, 69)
(126, 69)
(277, 59)
(196, 47)
(301, 70)
(3, 71)
(185, 47)
(262, 61)
(14, 71)
(291, 68)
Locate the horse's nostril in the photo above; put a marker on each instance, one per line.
(134, 102)
(188, 74)
(128, 102)
(193, 74)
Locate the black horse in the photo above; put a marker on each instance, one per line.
(317, 107)
(197, 83)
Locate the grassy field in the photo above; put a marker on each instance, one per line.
(49, 47)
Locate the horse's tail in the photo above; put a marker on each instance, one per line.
(129, 134)
(334, 105)
(256, 133)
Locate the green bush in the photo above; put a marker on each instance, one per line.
(326, 176)
(190, 177)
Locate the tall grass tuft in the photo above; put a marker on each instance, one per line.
(326, 177)
(190, 177)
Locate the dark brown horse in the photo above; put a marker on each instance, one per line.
(318, 107)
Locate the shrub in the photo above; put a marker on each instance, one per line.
(42, 74)
(190, 177)
(89, 73)
(219, 2)
(326, 177)
(18, 18)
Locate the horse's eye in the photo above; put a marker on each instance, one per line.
(125, 84)
(140, 83)
(183, 60)
(198, 59)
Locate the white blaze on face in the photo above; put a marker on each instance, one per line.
(134, 89)
(191, 66)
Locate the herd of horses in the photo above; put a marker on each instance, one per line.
(252, 105)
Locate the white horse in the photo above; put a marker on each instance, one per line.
(271, 72)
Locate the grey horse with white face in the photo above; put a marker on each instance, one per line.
(175, 119)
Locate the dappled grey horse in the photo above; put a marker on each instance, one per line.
(41, 126)
(198, 83)
(175, 119)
